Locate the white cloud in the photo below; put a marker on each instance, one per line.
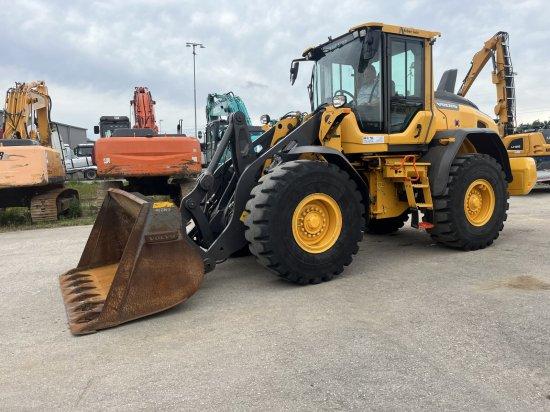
(93, 53)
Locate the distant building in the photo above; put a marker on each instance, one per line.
(71, 135)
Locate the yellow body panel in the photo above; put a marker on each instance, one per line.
(353, 140)
(464, 117)
(23, 166)
(525, 175)
(384, 196)
(533, 144)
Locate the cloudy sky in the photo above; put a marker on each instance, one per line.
(93, 53)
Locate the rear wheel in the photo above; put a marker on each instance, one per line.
(305, 220)
(472, 211)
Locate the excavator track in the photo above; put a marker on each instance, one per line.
(49, 205)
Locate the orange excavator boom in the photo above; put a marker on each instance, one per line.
(144, 109)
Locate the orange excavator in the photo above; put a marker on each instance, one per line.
(32, 173)
(152, 163)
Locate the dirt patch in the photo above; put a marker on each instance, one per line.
(527, 282)
(523, 282)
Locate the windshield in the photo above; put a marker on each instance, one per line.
(343, 70)
(107, 128)
(83, 151)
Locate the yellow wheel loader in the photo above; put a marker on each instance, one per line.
(379, 147)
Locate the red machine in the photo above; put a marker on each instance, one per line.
(152, 163)
(144, 109)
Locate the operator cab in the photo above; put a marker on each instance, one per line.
(109, 124)
(378, 71)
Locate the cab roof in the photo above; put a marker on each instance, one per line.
(405, 31)
(388, 28)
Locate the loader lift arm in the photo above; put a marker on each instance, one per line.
(497, 49)
(217, 203)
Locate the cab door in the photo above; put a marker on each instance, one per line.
(408, 111)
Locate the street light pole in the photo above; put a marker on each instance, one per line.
(194, 46)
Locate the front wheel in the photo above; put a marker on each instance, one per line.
(305, 220)
(472, 212)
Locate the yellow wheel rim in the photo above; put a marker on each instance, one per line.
(479, 202)
(317, 223)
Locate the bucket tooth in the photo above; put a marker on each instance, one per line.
(77, 276)
(78, 283)
(80, 297)
(138, 261)
(88, 306)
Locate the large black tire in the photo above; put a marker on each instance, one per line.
(387, 226)
(269, 221)
(451, 225)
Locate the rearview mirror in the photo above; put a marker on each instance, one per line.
(294, 70)
(200, 134)
(96, 129)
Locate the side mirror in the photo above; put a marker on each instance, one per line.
(96, 129)
(294, 66)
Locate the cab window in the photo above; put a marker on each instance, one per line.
(406, 85)
(343, 80)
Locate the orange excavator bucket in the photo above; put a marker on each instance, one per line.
(138, 261)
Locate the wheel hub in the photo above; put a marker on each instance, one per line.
(479, 202)
(317, 223)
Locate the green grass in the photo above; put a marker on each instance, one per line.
(83, 213)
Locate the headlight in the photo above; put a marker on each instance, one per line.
(265, 119)
(339, 100)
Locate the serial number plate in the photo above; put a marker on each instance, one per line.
(373, 139)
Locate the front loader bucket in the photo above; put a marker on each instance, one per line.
(138, 261)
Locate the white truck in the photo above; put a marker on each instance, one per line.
(80, 160)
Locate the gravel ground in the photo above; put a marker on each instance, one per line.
(409, 325)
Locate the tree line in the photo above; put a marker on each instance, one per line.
(536, 125)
